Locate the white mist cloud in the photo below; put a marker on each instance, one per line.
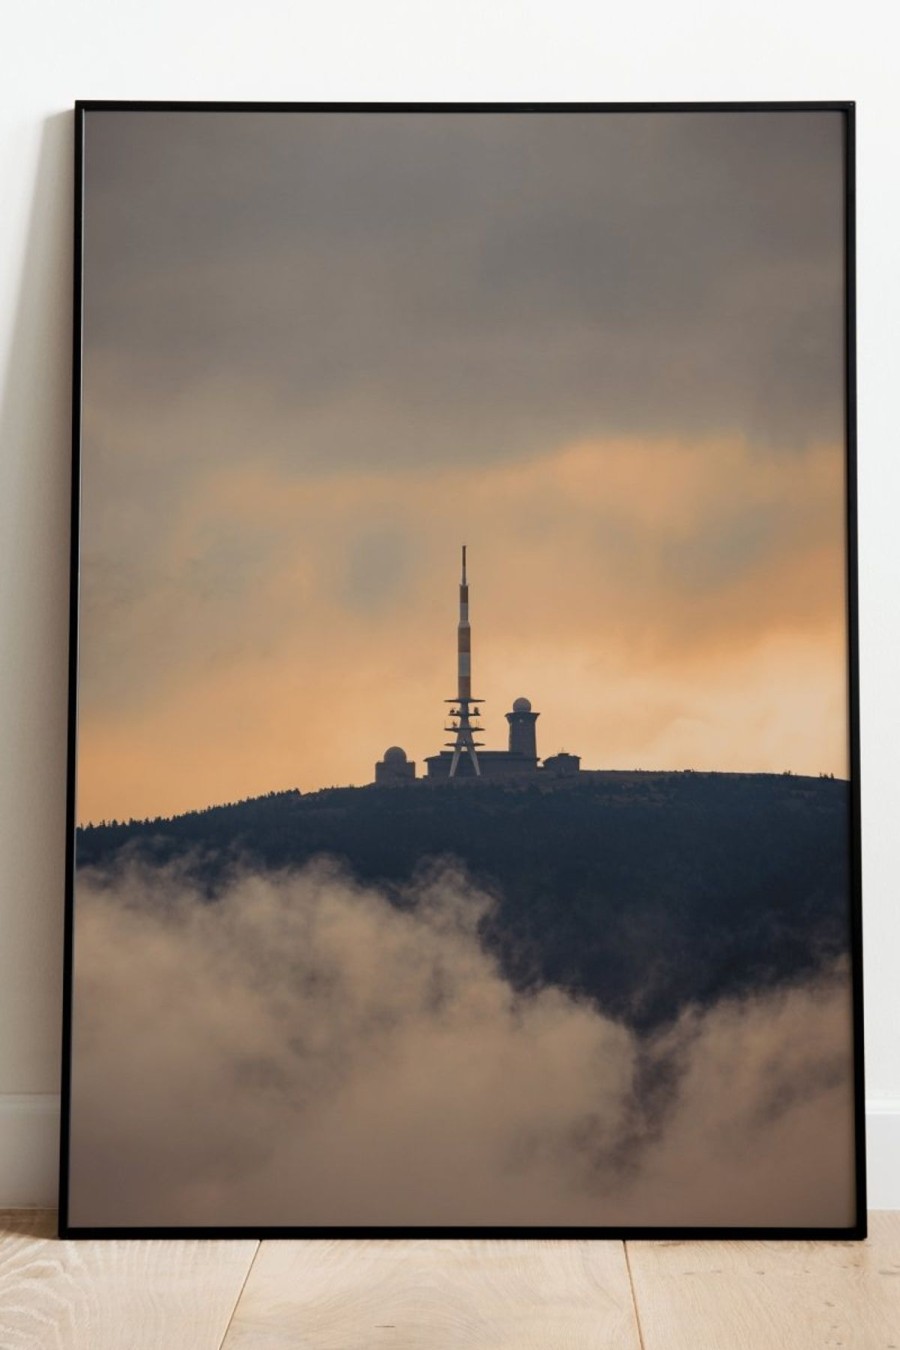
(303, 1051)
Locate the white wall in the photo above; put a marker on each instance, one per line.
(55, 51)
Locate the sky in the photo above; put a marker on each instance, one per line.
(321, 351)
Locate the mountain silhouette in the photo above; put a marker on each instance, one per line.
(643, 892)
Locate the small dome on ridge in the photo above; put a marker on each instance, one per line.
(394, 755)
(522, 705)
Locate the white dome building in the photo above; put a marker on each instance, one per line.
(395, 769)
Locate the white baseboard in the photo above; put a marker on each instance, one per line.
(29, 1143)
(883, 1153)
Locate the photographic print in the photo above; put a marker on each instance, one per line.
(463, 803)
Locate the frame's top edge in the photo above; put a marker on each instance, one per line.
(163, 105)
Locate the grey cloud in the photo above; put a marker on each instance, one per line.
(437, 287)
(727, 549)
(379, 566)
(303, 1051)
(146, 617)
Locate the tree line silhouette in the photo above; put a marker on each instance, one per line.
(642, 892)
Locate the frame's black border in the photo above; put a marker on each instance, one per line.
(855, 1231)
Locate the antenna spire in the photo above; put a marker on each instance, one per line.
(462, 726)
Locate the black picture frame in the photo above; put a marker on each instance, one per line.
(84, 109)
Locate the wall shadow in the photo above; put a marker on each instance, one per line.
(35, 434)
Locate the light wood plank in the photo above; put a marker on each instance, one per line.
(114, 1295)
(770, 1295)
(435, 1294)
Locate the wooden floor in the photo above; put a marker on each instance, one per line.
(401, 1295)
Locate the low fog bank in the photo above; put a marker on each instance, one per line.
(304, 1051)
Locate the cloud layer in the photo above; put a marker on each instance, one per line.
(301, 1051)
(463, 288)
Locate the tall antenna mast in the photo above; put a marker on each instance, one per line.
(461, 725)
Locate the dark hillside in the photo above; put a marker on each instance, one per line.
(643, 891)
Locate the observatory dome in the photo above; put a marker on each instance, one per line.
(394, 755)
(522, 705)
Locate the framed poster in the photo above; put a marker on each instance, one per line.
(464, 783)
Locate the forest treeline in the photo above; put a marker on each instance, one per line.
(642, 892)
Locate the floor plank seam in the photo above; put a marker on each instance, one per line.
(634, 1301)
(240, 1295)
